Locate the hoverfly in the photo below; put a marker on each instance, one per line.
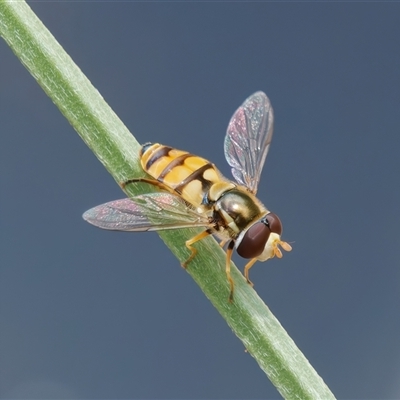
(195, 194)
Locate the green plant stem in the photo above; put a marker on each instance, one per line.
(112, 143)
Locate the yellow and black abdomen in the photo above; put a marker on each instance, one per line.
(188, 175)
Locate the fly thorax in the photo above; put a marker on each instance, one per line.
(238, 209)
(218, 189)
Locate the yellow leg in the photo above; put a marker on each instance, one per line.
(153, 182)
(222, 243)
(229, 251)
(246, 270)
(191, 241)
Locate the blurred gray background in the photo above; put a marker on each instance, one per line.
(86, 313)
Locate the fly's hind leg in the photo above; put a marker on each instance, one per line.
(153, 182)
(193, 240)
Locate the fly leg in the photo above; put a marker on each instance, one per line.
(153, 182)
(229, 251)
(246, 270)
(193, 240)
(222, 243)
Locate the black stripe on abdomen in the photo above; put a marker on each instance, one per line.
(174, 163)
(161, 152)
(198, 174)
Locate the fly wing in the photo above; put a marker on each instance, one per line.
(248, 139)
(147, 212)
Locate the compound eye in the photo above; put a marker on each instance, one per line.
(274, 223)
(253, 242)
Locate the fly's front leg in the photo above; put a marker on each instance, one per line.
(246, 270)
(229, 251)
(193, 240)
(222, 243)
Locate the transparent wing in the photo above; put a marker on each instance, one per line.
(148, 212)
(248, 138)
